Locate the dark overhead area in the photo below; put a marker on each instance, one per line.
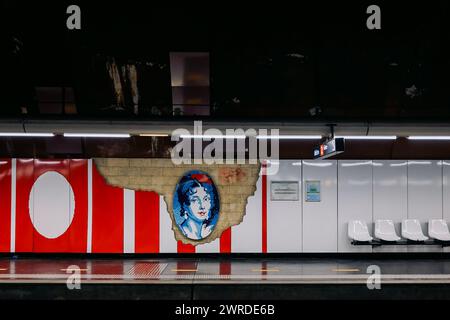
(295, 61)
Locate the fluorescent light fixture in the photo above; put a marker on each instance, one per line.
(192, 136)
(402, 164)
(368, 137)
(356, 164)
(153, 135)
(25, 134)
(377, 164)
(97, 135)
(294, 137)
(199, 136)
(420, 162)
(318, 163)
(429, 137)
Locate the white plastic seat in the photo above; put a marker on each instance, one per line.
(385, 230)
(357, 230)
(412, 230)
(438, 229)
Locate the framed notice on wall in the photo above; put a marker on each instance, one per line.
(284, 191)
(312, 191)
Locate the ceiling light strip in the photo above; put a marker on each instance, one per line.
(97, 135)
(26, 134)
(153, 135)
(429, 137)
(368, 137)
(293, 137)
(195, 136)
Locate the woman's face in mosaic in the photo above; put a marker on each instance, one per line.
(199, 204)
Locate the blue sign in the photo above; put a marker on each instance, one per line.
(312, 191)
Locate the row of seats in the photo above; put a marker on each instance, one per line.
(411, 230)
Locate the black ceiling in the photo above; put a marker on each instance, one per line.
(268, 60)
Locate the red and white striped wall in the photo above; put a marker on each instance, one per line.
(66, 206)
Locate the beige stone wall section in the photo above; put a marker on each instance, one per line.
(235, 184)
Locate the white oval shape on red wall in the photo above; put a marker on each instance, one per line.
(51, 204)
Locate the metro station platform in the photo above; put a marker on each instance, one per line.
(213, 278)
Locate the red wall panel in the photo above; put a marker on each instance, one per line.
(107, 216)
(24, 183)
(225, 241)
(28, 239)
(5, 205)
(146, 222)
(185, 248)
(78, 178)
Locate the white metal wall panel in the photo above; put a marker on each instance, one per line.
(247, 236)
(354, 200)
(320, 218)
(128, 221)
(167, 242)
(390, 195)
(425, 195)
(284, 218)
(446, 194)
(424, 190)
(210, 247)
(446, 190)
(13, 205)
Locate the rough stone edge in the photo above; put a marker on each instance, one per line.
(177, 234)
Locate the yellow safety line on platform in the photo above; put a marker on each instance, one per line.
(65, 270)
(345, 270)
(184, 270)
(265, 270)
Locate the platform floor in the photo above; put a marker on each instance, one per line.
(208, 278)
(211, 271)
